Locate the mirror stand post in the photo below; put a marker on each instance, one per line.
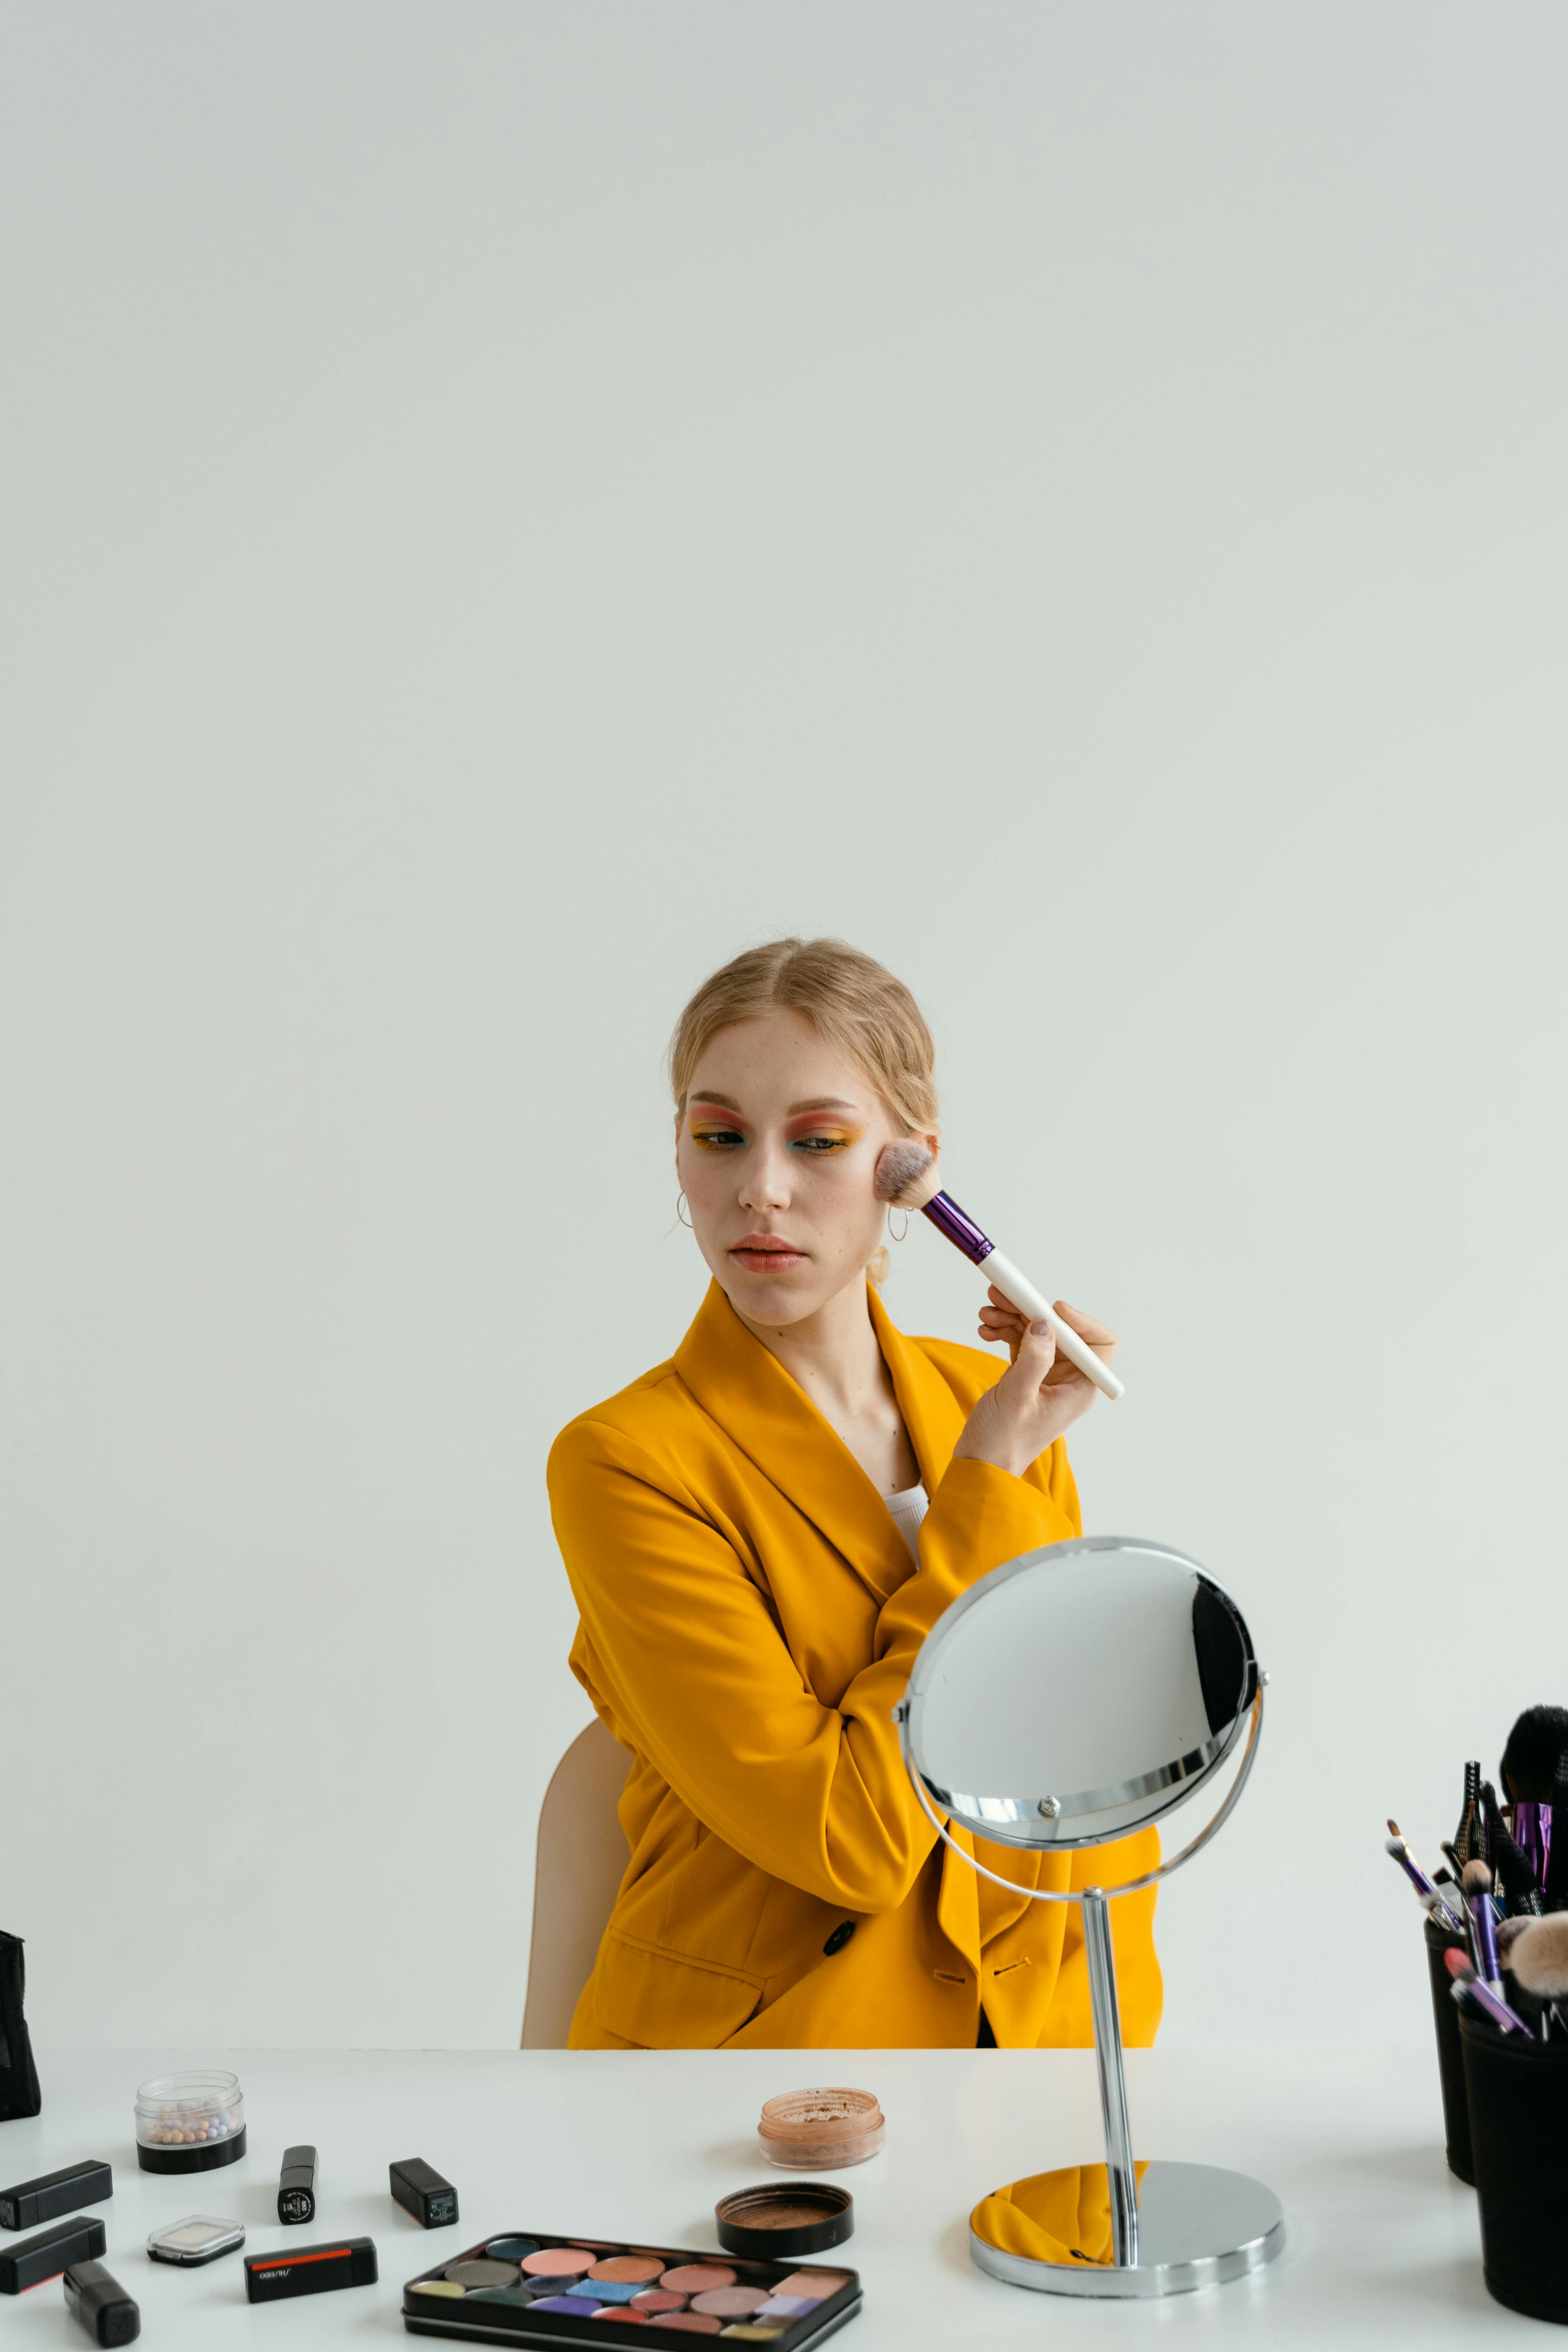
(1100, 1956)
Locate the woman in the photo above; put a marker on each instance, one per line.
(761, 1532)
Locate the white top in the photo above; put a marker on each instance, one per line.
(1381, 2246)
(908, 1509)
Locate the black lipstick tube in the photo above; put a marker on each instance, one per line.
(420, 2191)
(33, 2203)
(50, 2252)
(297, 2185)
(101, 2305)
(310, 2269)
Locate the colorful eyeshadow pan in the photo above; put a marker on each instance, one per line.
(658, 2298)
(558, 2303)
(628, 2270)
(438, 2287)
(511, 2296)
(786, 2307)
(596, 2290)
(482, 2274)
(730, 2301)
(510, 2249)
(815, 2286)
(696, 2278)
(557, 2262)
(620, 2311)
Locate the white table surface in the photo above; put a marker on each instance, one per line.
(1383, 2245)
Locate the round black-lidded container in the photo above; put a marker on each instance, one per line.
(784, 2220)
(189, 2123)
(1450, 2060)
(1518, 2098)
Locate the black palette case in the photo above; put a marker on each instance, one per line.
(479, 2321)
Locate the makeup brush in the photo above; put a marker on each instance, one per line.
(1520, 1884)
(906, 1177)
(1471, 1994)
(1539, 1956)
(1476, 1882)
(1427, 1888)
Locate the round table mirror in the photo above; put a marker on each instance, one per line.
(1070, 1698)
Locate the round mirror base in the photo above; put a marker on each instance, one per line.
(1197, 2226)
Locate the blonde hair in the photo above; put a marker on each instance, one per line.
(849, 998)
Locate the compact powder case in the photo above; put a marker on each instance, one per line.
(778, 2221)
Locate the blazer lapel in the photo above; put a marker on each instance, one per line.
(763, 1410)
(932, 1415)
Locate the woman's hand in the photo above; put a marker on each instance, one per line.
(1040, 1396)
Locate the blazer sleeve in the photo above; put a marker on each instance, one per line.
(697, 1669)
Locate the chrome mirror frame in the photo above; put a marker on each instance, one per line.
(1174, 2226)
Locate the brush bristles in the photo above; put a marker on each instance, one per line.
(1394, 1828)
(1507, 1933)
(906, 1174)
(1540, 1956)
(1477, 1878)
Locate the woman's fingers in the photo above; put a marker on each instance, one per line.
(1098, 1335)
(1001, 1325)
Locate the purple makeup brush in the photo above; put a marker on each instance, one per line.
(1469, 1991)
(1478, 1885)
(906, 1178)
(1425, 1888)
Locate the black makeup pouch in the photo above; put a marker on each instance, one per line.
(19, 2093)
(1450, 2058)
(1517, 2090)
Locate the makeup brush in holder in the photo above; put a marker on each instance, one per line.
(906, 1178)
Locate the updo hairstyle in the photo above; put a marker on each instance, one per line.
(849, 998)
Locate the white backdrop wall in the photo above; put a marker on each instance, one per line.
(508, 505)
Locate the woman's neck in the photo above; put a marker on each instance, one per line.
(833, 1356)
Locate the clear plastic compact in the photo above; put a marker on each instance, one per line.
(197, 2239)
(189, 2123)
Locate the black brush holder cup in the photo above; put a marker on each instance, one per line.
(1518, 2092)
(1450, 2059)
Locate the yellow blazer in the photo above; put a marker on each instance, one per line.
(750, 1615)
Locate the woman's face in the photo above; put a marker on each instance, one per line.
(776, 1154)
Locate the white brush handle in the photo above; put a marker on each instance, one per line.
(1027, 1300)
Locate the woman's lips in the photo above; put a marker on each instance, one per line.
(766, 1253)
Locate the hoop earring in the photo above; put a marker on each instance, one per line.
(679, 1204)
(893, 1236)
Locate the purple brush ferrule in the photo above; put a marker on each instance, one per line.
(1491, 2004)
(1486, 1939)
(960, 1231)
(1532, 1835)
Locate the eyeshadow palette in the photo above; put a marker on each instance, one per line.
(531, 2288)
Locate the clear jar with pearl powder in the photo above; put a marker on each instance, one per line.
(189, 2123)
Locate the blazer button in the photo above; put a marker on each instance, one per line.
(839, 1937)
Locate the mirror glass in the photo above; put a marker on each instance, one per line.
(1079, 1691)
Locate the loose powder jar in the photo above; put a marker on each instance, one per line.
(821, 2131)
(189, 2123)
